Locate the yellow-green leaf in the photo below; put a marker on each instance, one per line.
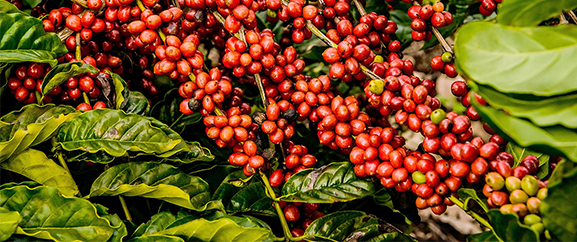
(8, 223)
(35, 165)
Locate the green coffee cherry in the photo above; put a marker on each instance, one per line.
(377, 86)
(495, 181)
(538, 227)
(531, 219)
(419, 177)
(513, 183)
(542, 193)
(518, 196)
(447, 57)
(530, 185)
(438, 115)
(270, 13)
(379, 59)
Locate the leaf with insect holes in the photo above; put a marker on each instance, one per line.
(335, 182)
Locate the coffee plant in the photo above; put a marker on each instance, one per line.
(285, 120)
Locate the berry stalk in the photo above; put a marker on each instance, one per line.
(572, 15)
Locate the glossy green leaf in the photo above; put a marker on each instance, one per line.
(120, 89)
(48, 215)
(531, 60)
(555, 140)
(549, 111)
(6, 7)
(249, 198)
(508, 227)
(482, 237)
(468, 195)
(136, 103)
(335, 182)
(153, 180)
(314, 53)
(19, 56)
(531, 13)
(35, 165)
(19, 31)
(404, 26)
(558, 209)
(352, 226)
(168, 111)
(159, 237)
(220, 230)
(9, 222)
(117, 133)
(32, 3)
(120, 232)
(61, 73)
(30, 126)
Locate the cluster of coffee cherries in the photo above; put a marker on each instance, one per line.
(426, 16)
(444, 64)
(300, 215)
(517, 191)
(27, 79)
(488, 6)
(297, 159)
(349, 55)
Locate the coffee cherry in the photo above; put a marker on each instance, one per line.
(291, 213)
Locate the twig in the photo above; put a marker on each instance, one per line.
(125, 208)
(363, 12)
(572, 15)
(476, 216)
(78, 53)
(562, 19)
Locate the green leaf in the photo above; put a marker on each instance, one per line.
(335, 182)
(404, 26)
(519, 153)
(554, 140)
(154, 238)
(314, 53)
(6, 7)
(10, 220)
(30, 126)
(153, 180)
(220, 230)
(35, 165)
(249, 198)
(117, 133)
(136, 103)
(508, 227)
(48, 215)
(168, 111)
(19, 56)
(482, 237)
(19, 31)
(468, 195)
(61, 73)
(120, 89)
(558, 208)
(521, 59)
(549, 111)
(121, 231)
(352, 226)
(32, 3)
(531, 13)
